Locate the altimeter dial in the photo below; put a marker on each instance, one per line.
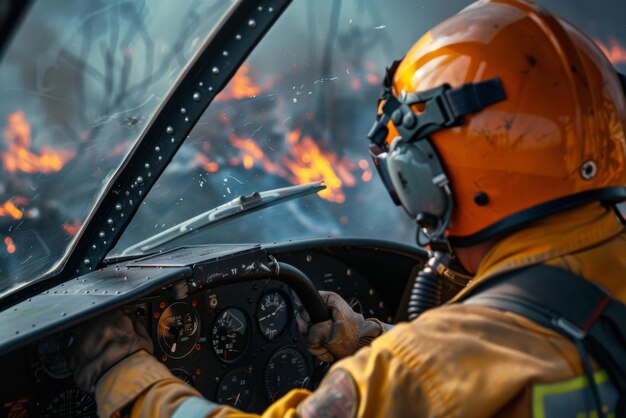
(273, 314)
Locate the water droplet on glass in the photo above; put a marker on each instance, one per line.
(101, 234)
(224, 53)
(210, 88)
(295, 100)
(94, 246)
(215, 70)
(110, 221)
(121, 214)
(200, 84)
(139, 179)
(140, 193)
(260, 8)
(157, 148)
(252, 23)
(238, 37)
(270, 9)
(127, 193)
(196, 96)
(130, 202)
(118, 206)
(86, 261)
(146, 165)
(169, 130)
(160, 158)
(172, 140)
(149, 174)
(183, 110)
(186, 119)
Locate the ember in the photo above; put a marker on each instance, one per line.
(8, 241)
(72, 228)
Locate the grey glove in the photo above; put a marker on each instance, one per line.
(343, 335)
(102, 342)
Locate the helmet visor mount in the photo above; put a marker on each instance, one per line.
(409, 167)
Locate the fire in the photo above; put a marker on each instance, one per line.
(614, 51)
(240, 87)
(9, 208)
(8, 241)
(18, 157)
(304, 162)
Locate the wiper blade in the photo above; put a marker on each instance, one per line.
(234, 209)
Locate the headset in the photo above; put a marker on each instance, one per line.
(410, 167)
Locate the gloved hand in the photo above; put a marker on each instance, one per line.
(340, 336)
(102, 342)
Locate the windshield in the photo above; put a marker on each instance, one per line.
(79, 81)
(298, 111)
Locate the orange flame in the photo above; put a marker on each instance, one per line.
(9, 208)
(18, 157)
(305, 163)
(614, 51)
(72, 228)
(240, 87)
(8, 241)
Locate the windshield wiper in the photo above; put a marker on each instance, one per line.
(237, 207)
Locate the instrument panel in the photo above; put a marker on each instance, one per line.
(238, 344)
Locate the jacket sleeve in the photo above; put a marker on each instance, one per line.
(370, 384)
(142, 387)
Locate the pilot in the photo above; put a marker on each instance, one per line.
(500, 132)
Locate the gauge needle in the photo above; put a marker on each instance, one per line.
(237, 398)
(273, 313)
(175, 343)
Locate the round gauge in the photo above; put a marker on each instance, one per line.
(272, 314)
(287, 369)
(183, 375)
(178, 330)
(69, 403)
(236, 389)
(230, 334)
(51, 357)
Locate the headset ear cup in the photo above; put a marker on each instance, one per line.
(414, 168)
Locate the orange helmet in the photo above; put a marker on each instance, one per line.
(498, 116)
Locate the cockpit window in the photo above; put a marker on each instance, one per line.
(79, 82)
(297, 111)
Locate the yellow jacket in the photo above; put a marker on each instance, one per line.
(454, 361)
